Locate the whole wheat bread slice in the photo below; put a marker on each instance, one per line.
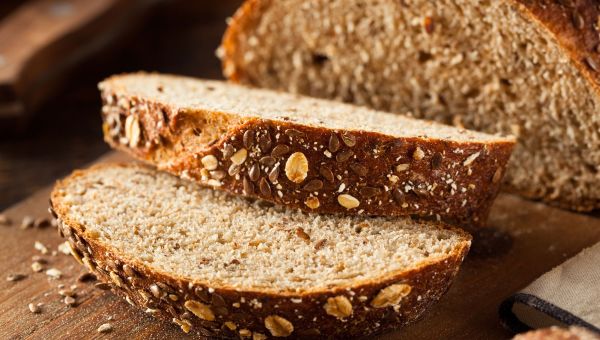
(529, 68)
(306, 153)
(220, 265)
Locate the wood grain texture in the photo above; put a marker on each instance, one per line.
(525, 240)
(43, 40)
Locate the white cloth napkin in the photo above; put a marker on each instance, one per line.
(566, 295)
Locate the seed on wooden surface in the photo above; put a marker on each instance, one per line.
(5, 220)
(54, 273)
(27, 222)
(37, 267)
(15, 277)
(105, 328)
(86, 277)
(34, 308)
(69, 301)
(41, 222)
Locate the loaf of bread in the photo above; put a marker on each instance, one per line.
(529, 68)
(312, 154)
(220, 265)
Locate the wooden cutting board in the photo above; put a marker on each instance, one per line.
(525, 240)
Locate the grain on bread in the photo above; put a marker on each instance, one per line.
(529, 68)
(316, 155)
(220, 265)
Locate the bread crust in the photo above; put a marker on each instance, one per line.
(164, 295)
(574, 25)
(436, 179)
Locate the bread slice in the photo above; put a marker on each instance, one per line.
(221, 265)
(557, 333)
(529, 68)
(306, 153)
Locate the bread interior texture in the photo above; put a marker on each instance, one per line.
(178, 228)
(480, 64)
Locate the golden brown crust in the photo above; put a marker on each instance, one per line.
(166, 296)
(574, 24)
(383, 175)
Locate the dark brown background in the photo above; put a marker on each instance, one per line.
(177, 37)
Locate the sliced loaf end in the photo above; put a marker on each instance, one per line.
(307, 153)
(223, 265)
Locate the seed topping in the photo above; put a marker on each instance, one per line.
(348, 201)
(296, 167)
(312, 202)
(200, 310)
(418, 154)
(278, 326)
(338, 306)
(391, 295)
(210, 162)
(348, 139)
(132, 130)
(334, 143)
(471, 159)
(280, 150)
(239, 157)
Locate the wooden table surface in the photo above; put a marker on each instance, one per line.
(525, 239)
(179, 37)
